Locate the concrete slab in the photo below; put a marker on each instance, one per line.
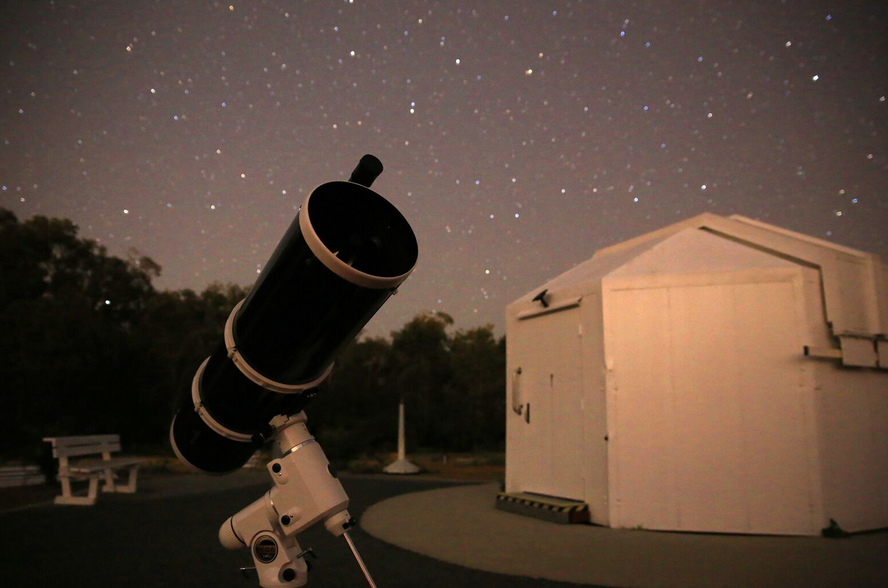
(461, 525)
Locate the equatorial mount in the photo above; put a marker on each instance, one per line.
(305, 491)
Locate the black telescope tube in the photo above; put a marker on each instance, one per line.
(339, 261)
(203, 449)
(238, 403)
(346, 252)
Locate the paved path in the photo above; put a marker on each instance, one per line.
(461, 525)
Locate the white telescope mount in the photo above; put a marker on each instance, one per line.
(305, 491)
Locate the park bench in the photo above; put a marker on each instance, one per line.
(92, 469)
(21, 475)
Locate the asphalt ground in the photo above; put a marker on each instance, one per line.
(166, 535)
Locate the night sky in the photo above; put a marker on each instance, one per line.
(518, 137)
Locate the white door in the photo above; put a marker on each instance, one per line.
(548, 350)
(706, 408)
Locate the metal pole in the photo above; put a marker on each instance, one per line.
(358, 557)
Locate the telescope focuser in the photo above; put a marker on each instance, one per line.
(367, 171)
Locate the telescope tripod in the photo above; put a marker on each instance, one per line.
(305, 491)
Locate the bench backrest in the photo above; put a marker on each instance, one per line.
(64, 447)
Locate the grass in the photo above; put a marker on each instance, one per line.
(455, 466)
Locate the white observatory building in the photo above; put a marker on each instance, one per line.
(719, 375)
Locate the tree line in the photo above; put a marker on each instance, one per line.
(88, 345)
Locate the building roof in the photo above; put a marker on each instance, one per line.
(855, 283)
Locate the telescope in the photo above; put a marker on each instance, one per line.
(346, 252)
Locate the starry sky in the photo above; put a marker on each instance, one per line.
(518, 137)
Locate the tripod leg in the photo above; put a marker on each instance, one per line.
(357, 555)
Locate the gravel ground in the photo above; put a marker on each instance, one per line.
(166, 536)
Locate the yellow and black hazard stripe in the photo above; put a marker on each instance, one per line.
(565, 508)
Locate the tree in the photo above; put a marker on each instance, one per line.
(68, 309)
(453, 386)
(477, 388)
(419, 372)
(89, 346)
(179, 330)
(354, 409)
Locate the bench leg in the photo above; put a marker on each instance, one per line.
(93, 488)
(108, 486)
(130, 487)
(68, 498)
(66, 487)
